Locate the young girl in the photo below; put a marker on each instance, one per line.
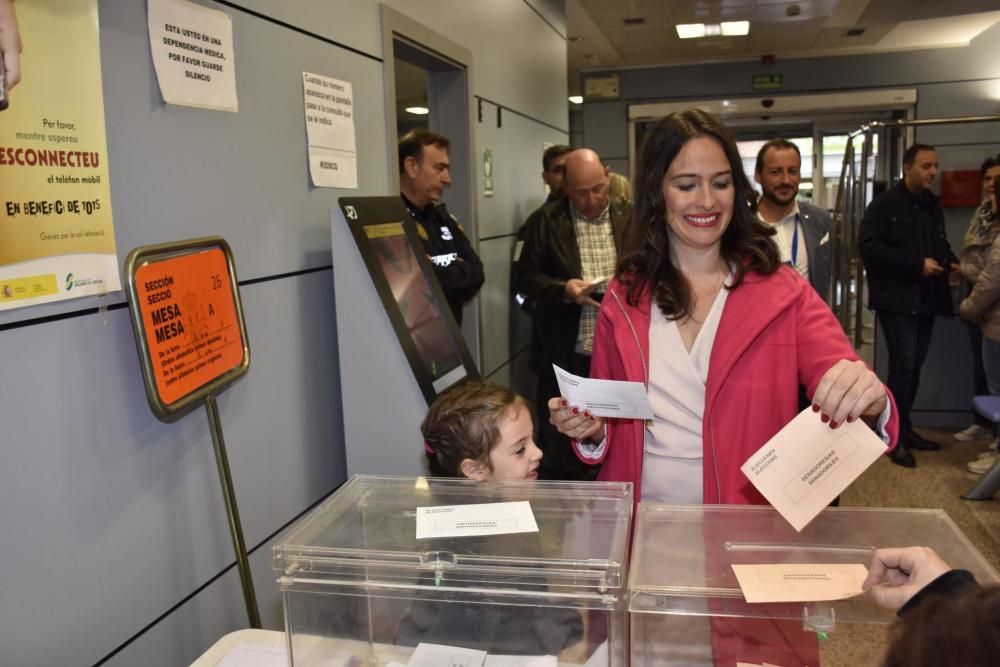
(481, 431)
(485, 432)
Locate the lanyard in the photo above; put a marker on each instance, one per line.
(795, 243)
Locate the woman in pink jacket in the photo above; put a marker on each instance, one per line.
(722, 334)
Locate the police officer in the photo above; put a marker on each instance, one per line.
(423, 176)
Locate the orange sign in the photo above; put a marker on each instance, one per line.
(190, 321)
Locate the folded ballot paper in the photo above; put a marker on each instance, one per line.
(604, 398)
(808, 464)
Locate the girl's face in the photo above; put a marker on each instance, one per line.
(516, 456)
(699, 194)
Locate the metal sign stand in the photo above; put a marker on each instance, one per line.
(191, 337)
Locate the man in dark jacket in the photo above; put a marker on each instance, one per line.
(423, 176)
(909, 265)
(569, 253)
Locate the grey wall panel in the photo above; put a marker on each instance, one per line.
(519, 61)
(178, 172)
(383, 406)
(115, 511)
(522, 50)
(182, 637)
(605, 129)
(284, 429)
(960, 98)
(349, 22)
(91, 483)
(496, 302)
(517, 169)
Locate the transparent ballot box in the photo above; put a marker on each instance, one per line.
(359, 588)
(686, 606)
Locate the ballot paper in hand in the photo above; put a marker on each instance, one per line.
(808, 464)
(604, 398)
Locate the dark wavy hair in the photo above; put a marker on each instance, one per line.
(464, 422)
(746, 244)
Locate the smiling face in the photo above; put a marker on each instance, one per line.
(515, 456)
(779, 177)
(699, 194)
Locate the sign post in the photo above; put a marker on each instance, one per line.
(189, 330)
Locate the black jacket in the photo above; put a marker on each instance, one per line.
(893, 249)
(456, 265)
(550, 256)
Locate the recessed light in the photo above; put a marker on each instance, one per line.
(690, 30)
(576, 99)
(418, 111)
(735, 28)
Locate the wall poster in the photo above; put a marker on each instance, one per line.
(57, 239)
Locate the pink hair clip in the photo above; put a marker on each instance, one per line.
(428, 449)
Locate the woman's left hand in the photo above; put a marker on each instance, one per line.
(847, 391)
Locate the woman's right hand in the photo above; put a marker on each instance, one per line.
(574, 423)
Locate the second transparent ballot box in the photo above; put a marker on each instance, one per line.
(686, 606)
(360, 588)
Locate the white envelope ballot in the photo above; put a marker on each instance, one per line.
(605, 398)
(475, 519)
(808, 464)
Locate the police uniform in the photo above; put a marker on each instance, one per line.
(456, 265)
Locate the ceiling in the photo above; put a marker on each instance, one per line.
(600, 38)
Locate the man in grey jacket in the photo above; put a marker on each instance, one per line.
(803, 230)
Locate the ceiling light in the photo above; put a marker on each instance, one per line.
(725, 103)
(418, 111)
(725, 29)
(690, 30)
(735, 28)
(576, 99)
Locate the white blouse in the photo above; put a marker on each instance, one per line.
(673, 451)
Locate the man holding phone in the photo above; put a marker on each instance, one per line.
(569, 254)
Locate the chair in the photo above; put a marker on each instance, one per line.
(987, 487)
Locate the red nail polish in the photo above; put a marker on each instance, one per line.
(833, 424)
(850, 419)
(564, 402)
(586, 413)
(815, 408)
(825, 418)
(576, 411)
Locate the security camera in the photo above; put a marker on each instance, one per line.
(767, 104)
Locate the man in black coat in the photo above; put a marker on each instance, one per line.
(424, 173)
(569, 254)
(909, 265)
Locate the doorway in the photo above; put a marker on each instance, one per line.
(428, 85)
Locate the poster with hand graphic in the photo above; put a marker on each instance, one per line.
(57, 238)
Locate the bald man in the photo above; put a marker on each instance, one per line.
(568, 256)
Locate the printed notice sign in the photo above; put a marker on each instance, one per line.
(795, 582)
(333, 152)
(477, 519)
(192, 48)
(808, 464)
(439, 655)
(57, 240)
(190, 321)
